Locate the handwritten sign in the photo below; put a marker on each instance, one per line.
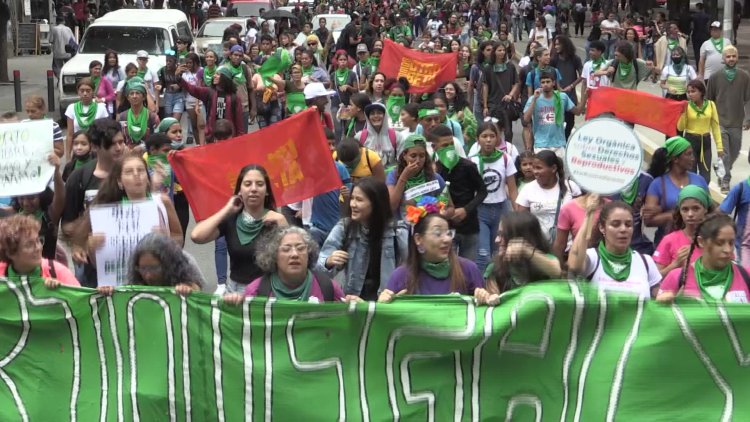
(604, 156)
(24, 148)
(123, 226)
(423, 189)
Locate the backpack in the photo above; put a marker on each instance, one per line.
(391, 136)
(325, 283)
(598, 260)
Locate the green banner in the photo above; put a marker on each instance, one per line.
(554, 352)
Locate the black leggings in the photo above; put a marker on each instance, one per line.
(183, 211)
(702, 151)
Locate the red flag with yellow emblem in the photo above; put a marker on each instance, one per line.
(294, 152)
(424, 71)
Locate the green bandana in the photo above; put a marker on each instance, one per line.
(671, 44)
(96, 80)
(341, 75)
(295, 102)
(248, 228)
(35, 274)
(416, 180)
(718, 44)
(676, 145)
(615, 266)
(238, 74)
(307, 71)
(300, 293)
(373, 62)
(412, 141)
(557, 101)
(695, 192)
(448, 157)
(700, 111)
(152, 159)
(137, 125)
(84, 120)
(80, 162)
(141, 73)
(427, 112)
(208, 75)
(278, 62)
(596, 64)
(136, 84)
(629, 193)
(165, 124)
(494, 156)
(393, 106)
(730, 72)
(440, 270)
(713, 283)
(499, 67)
(624, 69)
(678, 65)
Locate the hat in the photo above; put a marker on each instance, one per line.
(315, 90)
(694, 192)
(362, 48)
(136, 84)
(165, 124)
(372, 107)
(676, 145)
(236, 48)
(716, 24)
(141, 54)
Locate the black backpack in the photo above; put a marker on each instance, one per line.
(325, 283)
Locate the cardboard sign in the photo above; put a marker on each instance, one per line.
(24, 148)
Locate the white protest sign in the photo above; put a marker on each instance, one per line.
(422, 189)
(123, 226)
(24, 148)
(604, 156)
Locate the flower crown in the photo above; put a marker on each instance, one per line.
(426, 205)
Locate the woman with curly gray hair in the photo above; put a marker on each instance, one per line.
(160, 262)
(287, 257)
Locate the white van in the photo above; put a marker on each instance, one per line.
(125, 31)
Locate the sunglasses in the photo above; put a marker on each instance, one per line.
(312, 44)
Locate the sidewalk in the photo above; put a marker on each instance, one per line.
(33, 80)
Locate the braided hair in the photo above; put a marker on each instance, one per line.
(708, 229)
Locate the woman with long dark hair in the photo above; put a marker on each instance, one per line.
(500, 85)
(367, 245)
(414, 170)
(111, 69)
(243, 221)
(459, 111)
(484, 56)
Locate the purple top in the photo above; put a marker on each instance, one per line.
(432, 286)
(315, 291)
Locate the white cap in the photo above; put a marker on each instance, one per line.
(315, 90)
(715, 24)
(141, 54)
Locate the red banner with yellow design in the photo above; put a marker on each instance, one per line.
(636, 107)
(424, 71)
(294, 152)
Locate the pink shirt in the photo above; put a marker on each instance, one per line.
(666, 251)
(316, 294)
(737, 292)
(571, 217)
(63, 274)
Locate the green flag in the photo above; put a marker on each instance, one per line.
(295, 102)
(554, 351)
(278, 62)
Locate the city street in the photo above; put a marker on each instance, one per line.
(33, 71)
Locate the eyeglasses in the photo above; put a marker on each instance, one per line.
(149, 269)
(451, 233)
(300, 248)
(31, 245)
(312, 44)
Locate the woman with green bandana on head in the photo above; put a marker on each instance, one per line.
(604, 257)
(82, 113)
(137, 122)
(713, 277)
(693, 205)
(671, 167)
(414, 177)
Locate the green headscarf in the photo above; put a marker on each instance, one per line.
(136, 83)
(226, 72)
(165, 124)
(427, 112)
(694, 192)
(413, 140)
(676, 145)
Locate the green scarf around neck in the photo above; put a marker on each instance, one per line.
(629, 194)
(341, 75)
(137, 125)
(624, 69)
(448, 157)
(84, 119)
(730, 72)
(494, 156)
(300, 293)
(559, 114)
(153, 159)
(439, 270)
(700, 111)
(678, 66)
(238, 73)
(596, 64)
(248, 228)
(615, 266)
(38, 214)
(393, 106)
(96, 80)
(416, 180)
(208, 75)
(713, 283)
(718, 44)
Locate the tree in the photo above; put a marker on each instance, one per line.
(4, 18)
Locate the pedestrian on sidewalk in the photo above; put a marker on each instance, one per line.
(699, 35)
(711, 53)
(729, 89)
(698, 123)
(60, 37)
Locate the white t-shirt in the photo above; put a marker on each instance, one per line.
(494, 176)
(551, 21)
(101, 112)
(543, 202)
(593, 81)
(150, 78)
(714, 59)
(190, 78)
(509, 149)
(250, 37)
(433, 25)
(542, 36)
(608, 24)
(640, 281)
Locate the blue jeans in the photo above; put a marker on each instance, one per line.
(517, 28)
(489, 221)
(466, 244)
(174, 102)
(220, 259)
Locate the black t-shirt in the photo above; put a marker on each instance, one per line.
(80, 189)
(499, 83)
(242, 266)
(569, 70)
(467, 190)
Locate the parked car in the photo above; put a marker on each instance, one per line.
(249, 8)
(210, 34)
(125, 31)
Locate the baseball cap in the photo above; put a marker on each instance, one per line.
(372, 107)
(141, 54)
(715, 24)
(315, 90)
(362, 48)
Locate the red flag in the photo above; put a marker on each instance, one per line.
(294, 152)
(425, 71)
(636, 107)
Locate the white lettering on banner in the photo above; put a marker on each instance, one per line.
(422, 189)
(24, 148)
(123, 226)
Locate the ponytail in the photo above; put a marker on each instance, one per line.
(659, 163)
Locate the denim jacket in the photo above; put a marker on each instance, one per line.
(396, 236)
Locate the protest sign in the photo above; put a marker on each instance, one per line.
(636, 107)
(293, 151)
(24, 148)
(604, 156)
(558, 351)
(123, 226)
(425, 71)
